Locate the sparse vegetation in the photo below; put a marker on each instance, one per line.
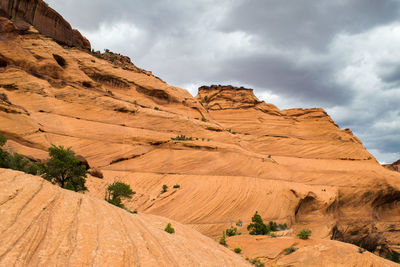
(117, 191)
(205, 98)
(182, 138)
(232, 231)
(239, 223)
(169, 229)
(64, 169)
(177, 186)
(289, 250)
(304, 234)
(203, 119)
(156, 108)
(16, 161)
(164, 188)
(107, 50)
(222, 240)
(361, 250)
(237, 250)
(273, 235)
(257, 227)
(256, 262)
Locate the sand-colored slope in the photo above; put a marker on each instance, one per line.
(293, 166)
(44, 225)
(309, 253)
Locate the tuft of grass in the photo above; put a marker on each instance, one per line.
(304, 234)
(222, 240)
(237, 250)
(169, 229)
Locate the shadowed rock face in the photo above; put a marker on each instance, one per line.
(46, 20)
(395, 166)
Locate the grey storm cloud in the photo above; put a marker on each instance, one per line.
(308, 23)
(340, 55)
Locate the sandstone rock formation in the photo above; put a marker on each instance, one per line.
(44, 225)
(241, 155)
(45, 19)
(308, 253)
(395, 166)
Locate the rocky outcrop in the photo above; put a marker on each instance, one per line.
(395, 166)
(221, 97)
(46, 20)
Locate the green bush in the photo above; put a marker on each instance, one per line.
(237, 250)
(156, 108)
(232, 231)
(16, 161)
(164, 188)
(273, 235)
(63, 167)
(289, 250)
(203, 119)
(169, 229)
(304, 234)
(177, 186)
(222, 240)
(239, 223)
(118, 190)
(257, 227)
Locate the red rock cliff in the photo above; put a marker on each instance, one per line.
(44, 19)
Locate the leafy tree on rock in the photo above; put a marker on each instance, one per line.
(257, 227)
(64, 169)
(116, 191)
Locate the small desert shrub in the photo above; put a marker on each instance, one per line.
(257, 227)
(164, 188)
(361, 250)
(182, 138)
(156, 108)
(107, 50)
(273, 235)
(169, 229)
(304, 234)
(232, 231)
(205, 98)
(237, 250)
(222, 240)
(239, 223)
(203, 119)
(289, 250)
(177, 186)
(256, 262)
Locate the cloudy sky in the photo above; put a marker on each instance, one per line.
(341, 55)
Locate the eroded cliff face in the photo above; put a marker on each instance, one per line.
(292, 166)
(45, 19)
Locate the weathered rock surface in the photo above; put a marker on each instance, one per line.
(44, 225)
(292, 166)
(308, 253)
(45, 19)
